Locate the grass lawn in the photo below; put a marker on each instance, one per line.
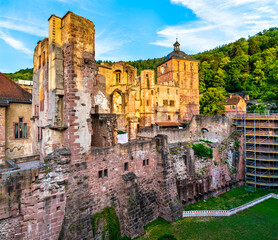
(258, 222)
(232, 199)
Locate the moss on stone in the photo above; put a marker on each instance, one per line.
(111, 223)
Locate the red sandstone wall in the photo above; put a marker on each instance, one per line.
(2, 134)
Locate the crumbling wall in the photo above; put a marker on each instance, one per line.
(58, 199)
(199, 178)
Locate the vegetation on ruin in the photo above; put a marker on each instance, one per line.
(258, 222)
(200, 150)
(110, 221)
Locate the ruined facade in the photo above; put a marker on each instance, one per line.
(81, 170)
(140, 101)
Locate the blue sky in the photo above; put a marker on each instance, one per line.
(133, 29)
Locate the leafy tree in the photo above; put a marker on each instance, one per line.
(212, 102)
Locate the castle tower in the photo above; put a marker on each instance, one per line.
(182, 70)
(147, 98)
(64, 71)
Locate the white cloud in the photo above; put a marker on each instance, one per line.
(33, 30)
(18, 45)
(219, 22)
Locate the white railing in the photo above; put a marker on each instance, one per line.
(227, 213)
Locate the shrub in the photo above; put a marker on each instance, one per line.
(167, 237)
(202, 151)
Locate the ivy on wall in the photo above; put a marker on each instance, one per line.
(111, 223)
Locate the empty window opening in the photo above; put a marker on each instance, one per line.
(185, 160)
(126, 166)
(144, 162)
(168, 91)
(152, 92)
(172, 103)
(147, 161)
(105, 173)
(99, 174)
(169, 117)
(165, 102)
(204, 130)
(147, 102)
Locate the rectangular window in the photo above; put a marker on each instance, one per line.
(165, 102)
(43, 58)
(147, 102)
(25, 130)
(39, 134)
(151, 92)
(184, 66)
(99, 174)
(144, 162)
(118, 77)
(105, 173)
(36, 110)
(172, 103)
(126, 166)
(168, 90)
(147, 75)
(147, 161)
(16, 131)
(40, 61)
(169, 117)
(20, 127)
(157, 89)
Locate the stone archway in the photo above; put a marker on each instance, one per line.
(117, 102)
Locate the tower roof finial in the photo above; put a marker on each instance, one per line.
(176, 44)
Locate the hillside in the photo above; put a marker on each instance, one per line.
(25, 74)
(249, 65)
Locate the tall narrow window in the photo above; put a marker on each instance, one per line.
(126, 166)
(99, 174)
(16, 131)
(105, 173)
(147, 102)
(20, 127)
(118, 77)
(25, 130)
(168, 91)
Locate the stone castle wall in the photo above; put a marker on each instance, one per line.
(58, 198)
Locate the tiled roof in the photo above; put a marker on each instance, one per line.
(12, 92)
(168, 124)
(233, 100)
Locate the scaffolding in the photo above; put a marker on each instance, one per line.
(260, 131)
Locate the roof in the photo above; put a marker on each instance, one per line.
(233, 100)
(177, 54)
(168, 124)
(12, 92)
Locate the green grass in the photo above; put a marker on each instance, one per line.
(258, 222)
(232, 199)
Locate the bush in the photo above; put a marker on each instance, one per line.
(202, 151)
(167, 237)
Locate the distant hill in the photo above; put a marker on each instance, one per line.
(25, 74)
(246, 65)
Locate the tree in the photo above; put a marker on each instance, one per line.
(212, 102)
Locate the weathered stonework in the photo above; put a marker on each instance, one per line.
(81, 169)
